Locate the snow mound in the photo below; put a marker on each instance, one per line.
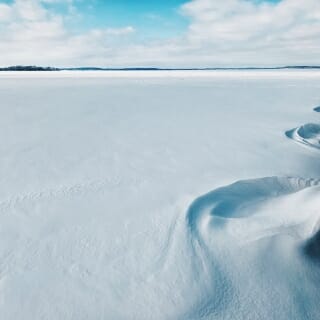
(243, 202)
(308, 134)
(249, 234)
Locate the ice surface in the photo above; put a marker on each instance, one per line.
(159, 195)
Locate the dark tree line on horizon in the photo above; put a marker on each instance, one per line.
(28, 68)
(37, 68)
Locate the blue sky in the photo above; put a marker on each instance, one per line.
(160, 32)
(154, 18)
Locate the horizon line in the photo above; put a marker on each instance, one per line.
(135, 68)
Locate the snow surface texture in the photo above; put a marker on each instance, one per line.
(101, 213)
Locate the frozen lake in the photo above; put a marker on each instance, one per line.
(111, 204)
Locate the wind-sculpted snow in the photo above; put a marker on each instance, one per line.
(254, 232)
(227, 204)
(308, 134)
(251, 233)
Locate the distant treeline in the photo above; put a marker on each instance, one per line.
(28, 68)
(36, 68)
(186, 69)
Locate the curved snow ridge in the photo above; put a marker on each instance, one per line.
(244, 202)
(308, 134)
(256, 229)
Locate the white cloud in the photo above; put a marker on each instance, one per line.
(262, 33)
(32, 34)
(5, 12)
(220, 33)
(118, 31)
